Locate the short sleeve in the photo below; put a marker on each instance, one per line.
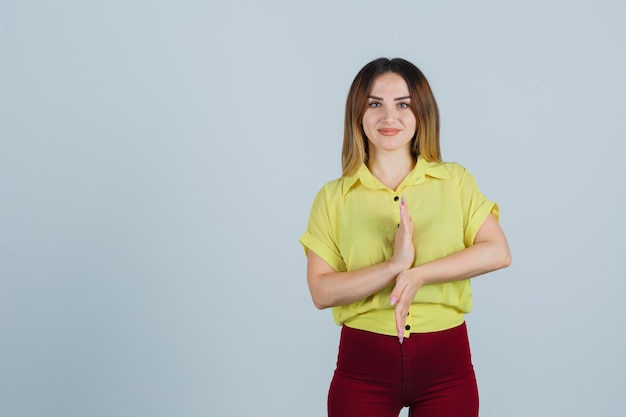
(476, 207)
(321, 232)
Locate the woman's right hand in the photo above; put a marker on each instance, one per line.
(403, 250)
(330, 288)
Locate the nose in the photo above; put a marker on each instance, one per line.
(389, 113)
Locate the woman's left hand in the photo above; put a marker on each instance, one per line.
(407, 285)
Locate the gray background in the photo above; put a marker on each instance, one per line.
(158, 161)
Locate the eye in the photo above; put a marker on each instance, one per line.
(403, 105)
(374, 104)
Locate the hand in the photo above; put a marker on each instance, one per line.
(403, 250)
(402, 295)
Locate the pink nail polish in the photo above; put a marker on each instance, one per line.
(394, 300)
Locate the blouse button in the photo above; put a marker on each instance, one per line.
(396, 198)
(407, 327)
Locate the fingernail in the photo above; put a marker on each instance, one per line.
(401, 338)
(402, 201)
(394, 300)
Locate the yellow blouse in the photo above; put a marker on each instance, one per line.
(353, 223)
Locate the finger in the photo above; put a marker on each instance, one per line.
(397, 291)
(403, 207)
(405, 218)
(400, 319)
(401, 312)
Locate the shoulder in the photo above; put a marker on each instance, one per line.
(441, 170)
(331, 188)
(330, 192)
(458, 171)
(454, 168)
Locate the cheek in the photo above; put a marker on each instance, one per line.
(368, 117)
(411, 122)
(368, 123)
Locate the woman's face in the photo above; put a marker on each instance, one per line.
(388, 122)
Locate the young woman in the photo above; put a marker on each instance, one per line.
(391, 246)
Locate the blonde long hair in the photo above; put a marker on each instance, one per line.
(423, 104)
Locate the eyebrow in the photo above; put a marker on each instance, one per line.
(395, 99)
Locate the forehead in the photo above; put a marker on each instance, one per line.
(389, 84)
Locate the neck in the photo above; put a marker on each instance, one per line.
(390, 169)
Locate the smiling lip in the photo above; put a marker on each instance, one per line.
(388, 132)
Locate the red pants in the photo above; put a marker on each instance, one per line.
(431, 373)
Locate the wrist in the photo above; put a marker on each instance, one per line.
(394, 268)
(397, 267)
(417, 276)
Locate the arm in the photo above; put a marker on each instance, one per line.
(489, 253)
(330, 288)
